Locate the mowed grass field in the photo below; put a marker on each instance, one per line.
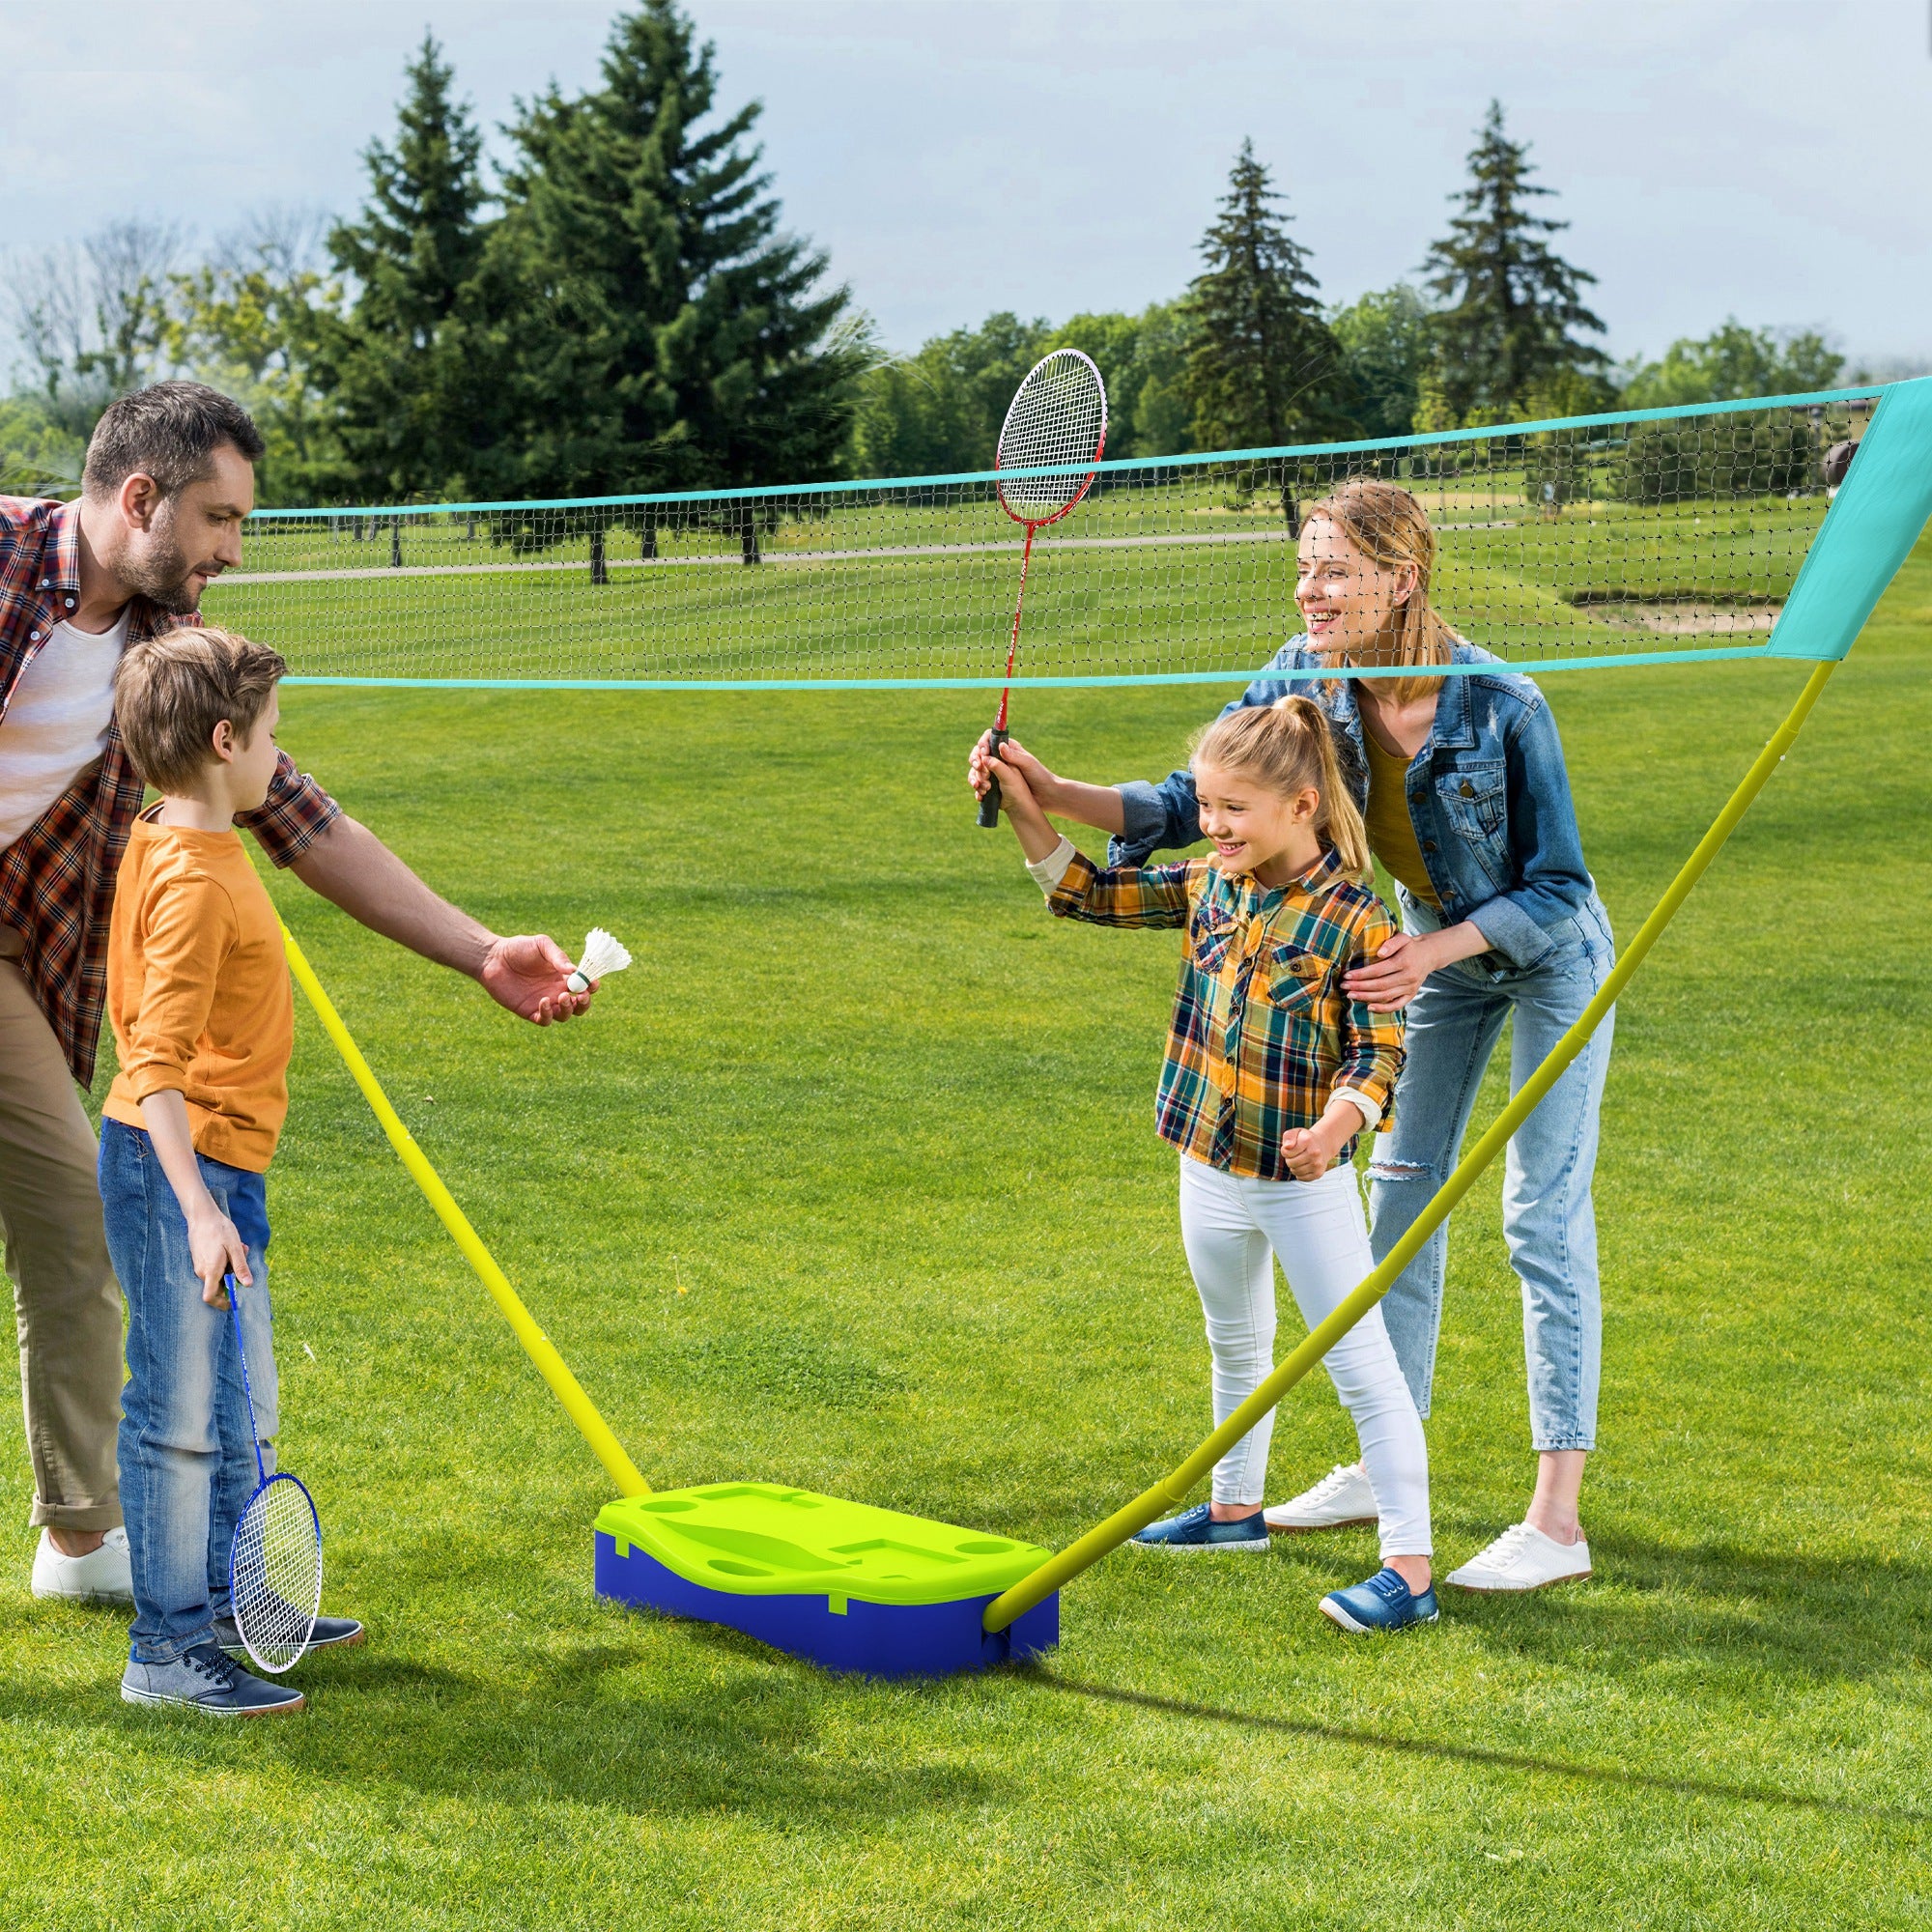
(850, 1182)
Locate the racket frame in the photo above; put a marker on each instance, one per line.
(990, 804)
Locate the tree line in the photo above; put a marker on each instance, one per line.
(614, 306)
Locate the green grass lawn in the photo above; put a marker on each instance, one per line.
(850, 1182)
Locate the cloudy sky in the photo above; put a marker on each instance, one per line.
(1771, 161)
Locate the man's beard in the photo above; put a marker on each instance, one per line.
(162, 574)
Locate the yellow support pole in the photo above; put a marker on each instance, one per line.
(551, 1366)
(1087, 1550)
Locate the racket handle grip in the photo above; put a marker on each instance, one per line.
(989, 805)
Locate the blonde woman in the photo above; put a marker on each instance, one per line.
(1457, 768)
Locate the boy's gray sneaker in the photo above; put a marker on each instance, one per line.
(205, 1680)
(327, 1631)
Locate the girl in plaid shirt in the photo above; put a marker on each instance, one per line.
(1272, 1073)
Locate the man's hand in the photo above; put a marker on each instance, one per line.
(1013, 756)
(528, 974)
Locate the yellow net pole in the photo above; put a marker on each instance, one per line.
(551, 1366)
(1173, 1488)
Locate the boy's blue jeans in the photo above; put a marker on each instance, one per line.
(1549, 1222)
(188, 1467)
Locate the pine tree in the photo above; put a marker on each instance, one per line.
(1264, 367)
(412, 366)
(676, 338)
(1513, 304)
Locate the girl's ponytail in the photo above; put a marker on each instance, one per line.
(1338, 824)
(1287, 747)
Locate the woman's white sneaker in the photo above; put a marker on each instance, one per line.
(1342, 1496)
(1523, 1558)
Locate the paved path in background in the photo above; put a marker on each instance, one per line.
(735, 560)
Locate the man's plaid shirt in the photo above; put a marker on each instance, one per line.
(57, 878)
(1262, 1033)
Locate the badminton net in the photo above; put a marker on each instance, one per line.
(1603, 539)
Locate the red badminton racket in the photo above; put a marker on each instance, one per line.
(1058, 417)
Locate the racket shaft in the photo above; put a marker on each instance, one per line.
(1014, 641)
(989, 805)
(247, 1387)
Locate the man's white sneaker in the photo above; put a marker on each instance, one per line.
(1522, 1558)
(1342, 1496)
(102, 1575)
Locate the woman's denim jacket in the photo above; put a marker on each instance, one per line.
(1487, 793)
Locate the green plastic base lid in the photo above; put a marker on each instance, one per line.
(762, 1538)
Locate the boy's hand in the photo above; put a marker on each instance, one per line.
(1310, 1152)
(1013, 758)
(217, 1250)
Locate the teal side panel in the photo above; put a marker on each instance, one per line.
(1867, 533)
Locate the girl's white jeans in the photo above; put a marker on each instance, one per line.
(1234, 1228)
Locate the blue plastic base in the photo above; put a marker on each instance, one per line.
(875, 1639)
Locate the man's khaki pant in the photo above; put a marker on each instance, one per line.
(66, 1300)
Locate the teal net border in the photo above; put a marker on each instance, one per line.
(1000, 683)
(1867, 534)
(1193, 460)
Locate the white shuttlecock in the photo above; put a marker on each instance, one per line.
(603, 954)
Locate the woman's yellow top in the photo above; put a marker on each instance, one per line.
(1391, 828)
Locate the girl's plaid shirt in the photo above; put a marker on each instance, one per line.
(1262, 1033)
(57, 878)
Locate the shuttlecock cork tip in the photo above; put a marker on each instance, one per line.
(603, 954)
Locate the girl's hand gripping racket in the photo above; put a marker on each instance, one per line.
(1058, 416)
(274, 1563)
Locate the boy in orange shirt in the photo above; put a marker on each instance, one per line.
(198, 996)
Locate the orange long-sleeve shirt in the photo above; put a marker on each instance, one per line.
(198, 992)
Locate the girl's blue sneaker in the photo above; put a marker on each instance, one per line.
(1197, 1529)
(1385, 1603)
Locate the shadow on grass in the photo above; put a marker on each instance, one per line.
(1473, 1755)
(1818, 1620)
(595, 1722)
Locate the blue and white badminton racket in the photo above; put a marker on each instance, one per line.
(274, 1563)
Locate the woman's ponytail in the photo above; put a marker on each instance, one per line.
(1287, 747)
